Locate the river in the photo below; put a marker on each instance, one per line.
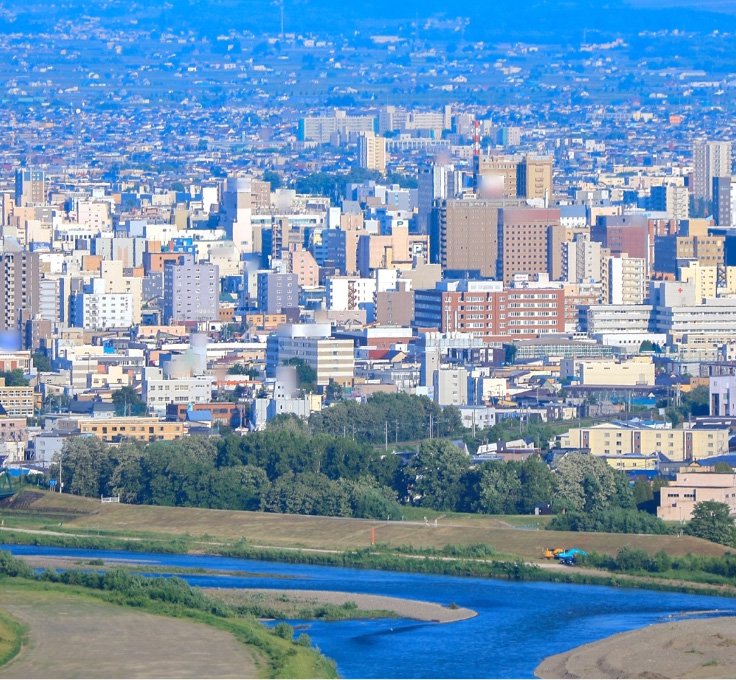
(518, 623)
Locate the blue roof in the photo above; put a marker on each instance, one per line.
(199, 416)
(729, 458)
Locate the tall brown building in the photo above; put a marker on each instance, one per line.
(529, 242)
(468, 237)
(19, 292)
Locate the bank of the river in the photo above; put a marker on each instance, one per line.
(291, 600)
(694, 648)
(287, 603)
(528, 620)
(380, 557)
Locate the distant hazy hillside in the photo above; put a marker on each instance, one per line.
(486, 20)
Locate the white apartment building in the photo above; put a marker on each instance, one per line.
(625, 280)
(331, 359)
(349, 292)
(158, 391)
(451, 386)
(723, 395)
(95, 308)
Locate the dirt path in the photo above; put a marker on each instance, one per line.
(72, 637)
(696, 648)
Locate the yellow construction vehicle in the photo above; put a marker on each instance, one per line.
(551, 553)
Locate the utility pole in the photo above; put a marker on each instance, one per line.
(60, 482)
(430, 426)
(385, 431)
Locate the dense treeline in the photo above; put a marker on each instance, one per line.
(276, 470)
(616, 521)
(401, 416)
(283, 470)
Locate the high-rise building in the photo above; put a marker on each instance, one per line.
(534, 178)
(277, 291)
(711, 159)
(670, 199)
(487, 310)
(670, 251)
(435, 183)
(624, 280)
(95, 308)
(322, 128)
(19, 292)
(724, 197)
(495, 176)
(529, 242)
(581, 260)
(30, 187)
(624, 234)
(237, 211)
(467, 237)
(372, 152)
(191, 291)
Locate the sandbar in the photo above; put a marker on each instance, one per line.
(691, 648)
(418, 610)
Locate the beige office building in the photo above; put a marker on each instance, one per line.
(372, 152)
(677, 501)
(619, 439)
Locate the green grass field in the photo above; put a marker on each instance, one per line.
(84, 516)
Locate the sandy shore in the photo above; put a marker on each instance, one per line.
(694, 648)
(407, 609)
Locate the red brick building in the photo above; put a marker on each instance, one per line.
(487, 310)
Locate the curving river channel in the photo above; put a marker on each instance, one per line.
(518, 624)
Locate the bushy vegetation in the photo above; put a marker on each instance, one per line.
(696, 568)
(407, 418)
(614, 521)
(287, 469)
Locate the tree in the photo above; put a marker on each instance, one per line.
(240, 369)
(587, 483)
(435, 475)
(128, 402)
(86, 466)
(712, 521)
(14, 378)
(537, 483)
(41, 362)
(306, 376)
(273, 178)
(499, 488)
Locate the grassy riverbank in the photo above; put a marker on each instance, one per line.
(271, 653)
(471, 545)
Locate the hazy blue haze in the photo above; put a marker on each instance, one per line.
(539, 19)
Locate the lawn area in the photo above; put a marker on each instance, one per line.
(116, 641)
(89, 517)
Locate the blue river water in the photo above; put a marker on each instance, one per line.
(518, 624)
